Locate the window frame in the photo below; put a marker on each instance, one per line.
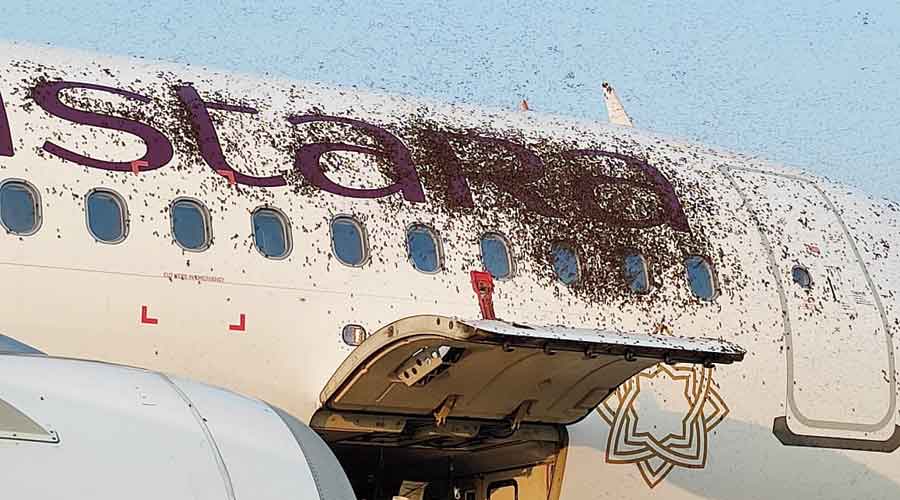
(646, 262)
(363, 234)
(511, 261)
(123, 211)
(207, 224)
(351, 326)
(438, 246)
(713, 276)
(38, 212)
(286, 226)
(579, 273)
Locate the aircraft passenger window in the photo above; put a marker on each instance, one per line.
(348, 241)
(495, 256)
(636, 274)
(105, 216)
(20, 211)
(565, 264)
(190, 225)
(270, 232)
(353, 334)
(503, 490)
(700, 277)
(424, 249)
(802, 277)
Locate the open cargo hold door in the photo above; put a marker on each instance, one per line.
(438, 367)
(450, 404)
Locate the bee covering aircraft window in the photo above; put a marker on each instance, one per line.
(565, 264)
(495, 256)
(636, 275)
(424, 249)
(348, 241)
(270, 232)
(105, 216)
(190, 225)
(20, 210)
(700, 277)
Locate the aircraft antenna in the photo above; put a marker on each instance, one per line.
(614, 108)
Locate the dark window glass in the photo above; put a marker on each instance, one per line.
(423, 249)
(189, 225)
(348, 241)
(270, 233)
(106, 216)
(700, 277)
(801, 277)
(495, 256)
(565, 264)
(18, 208)
(353, 334)
(636, 273)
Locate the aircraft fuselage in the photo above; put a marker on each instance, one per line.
(799, 271)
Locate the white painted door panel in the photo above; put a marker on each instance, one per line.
(840, 375)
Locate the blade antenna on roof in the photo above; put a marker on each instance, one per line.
(614, 108)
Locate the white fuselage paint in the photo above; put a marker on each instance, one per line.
(823, 359)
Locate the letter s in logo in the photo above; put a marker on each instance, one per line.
(159, 149)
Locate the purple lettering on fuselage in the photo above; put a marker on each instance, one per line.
(159, 149)
(208, 139)
(529, 170)
(6, 145)
(460, 195)
(672, 212)
(512, 168)
(405, 178)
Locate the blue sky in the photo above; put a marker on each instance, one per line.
(815, 84)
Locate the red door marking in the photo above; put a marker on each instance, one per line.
(147, 320)
(137, 165)
(483, 284)
(228, 174)
(240, 327)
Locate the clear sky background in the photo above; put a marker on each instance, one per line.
(814, 84)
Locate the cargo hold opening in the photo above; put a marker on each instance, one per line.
(414, 458)
(431, 407)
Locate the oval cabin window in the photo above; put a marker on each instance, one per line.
(565, 264)
(190, 225)
(19, 209)
(424, 250)
(495, 256)
(802, 277)
(348, 241)
(270, 233)
(105, 216)
(636, 274)
(700, 277)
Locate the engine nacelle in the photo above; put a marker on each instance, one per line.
(84, 429)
